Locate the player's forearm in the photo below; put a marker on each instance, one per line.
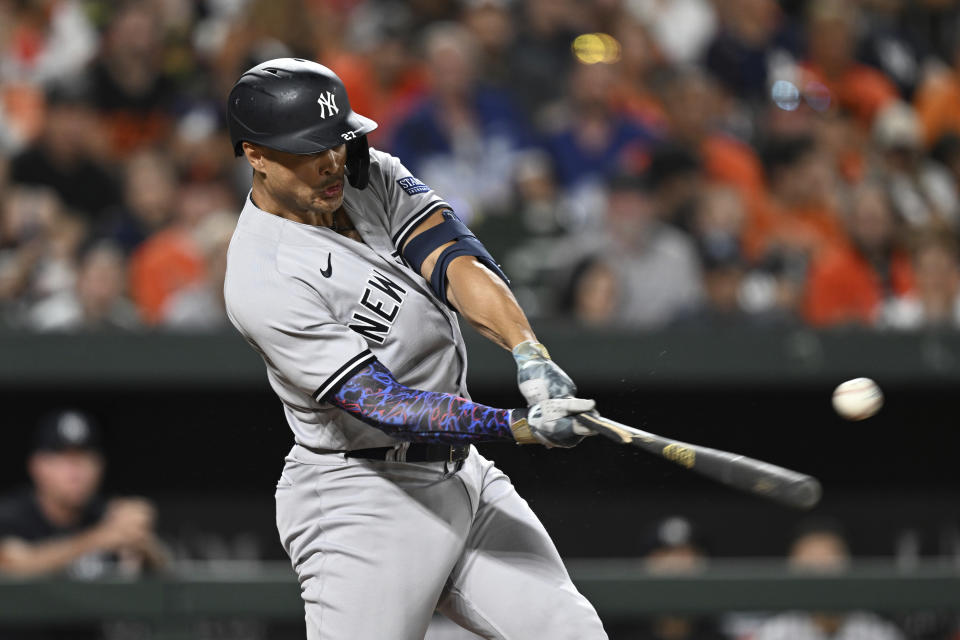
(152, 553)
(487, 303)
(374, 396)
(30, 559)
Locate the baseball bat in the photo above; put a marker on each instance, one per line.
(753, 476)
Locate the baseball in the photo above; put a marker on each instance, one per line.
(857, 399)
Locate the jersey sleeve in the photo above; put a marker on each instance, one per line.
(292, 328)
(407, 201)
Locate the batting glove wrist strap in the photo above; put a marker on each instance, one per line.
(521, 428)
(539, 377)
(529, 350)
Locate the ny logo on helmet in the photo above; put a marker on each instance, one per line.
(328, 105)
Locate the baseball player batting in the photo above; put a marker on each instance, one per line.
(345, 274)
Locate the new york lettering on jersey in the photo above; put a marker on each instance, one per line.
(380, 301)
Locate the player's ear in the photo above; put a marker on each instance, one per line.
(254, 156)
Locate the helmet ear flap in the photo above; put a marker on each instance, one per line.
(358, 162)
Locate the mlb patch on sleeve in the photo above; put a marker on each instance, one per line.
(412, 186)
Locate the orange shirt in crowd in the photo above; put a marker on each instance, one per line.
(164, 264)
(861, 90)
(810, 230)
(128, 131)
(24, 109)
(730, 161)
(938, 106)
(843, 287)
(639, 104)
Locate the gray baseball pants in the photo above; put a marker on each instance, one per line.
(378, 546)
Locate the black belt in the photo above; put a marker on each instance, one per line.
(405, 452)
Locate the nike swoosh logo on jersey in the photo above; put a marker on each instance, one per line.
(326, 273)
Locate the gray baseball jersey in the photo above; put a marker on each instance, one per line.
(378, 545)
(319, 306)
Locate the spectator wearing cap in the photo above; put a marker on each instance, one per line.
(734, 292)
(60, 524)
(657, 264)
(671, 546)
(649, 270)
(798, 214)
(697, 112)
(820, 546)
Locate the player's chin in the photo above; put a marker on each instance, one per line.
(327, 203)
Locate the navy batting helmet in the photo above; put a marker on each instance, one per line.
(300, 107)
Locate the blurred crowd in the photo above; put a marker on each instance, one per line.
(632, 163)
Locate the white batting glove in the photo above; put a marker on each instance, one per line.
(538, 376)
(551, 422)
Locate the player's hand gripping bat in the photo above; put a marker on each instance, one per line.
(764, 479)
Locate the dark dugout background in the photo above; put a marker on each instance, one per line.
(190, 422)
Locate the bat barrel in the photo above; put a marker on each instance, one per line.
(762, 478)
(804, 493)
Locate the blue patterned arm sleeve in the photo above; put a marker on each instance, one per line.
(374, 396)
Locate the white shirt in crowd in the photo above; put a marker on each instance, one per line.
(801, 626)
